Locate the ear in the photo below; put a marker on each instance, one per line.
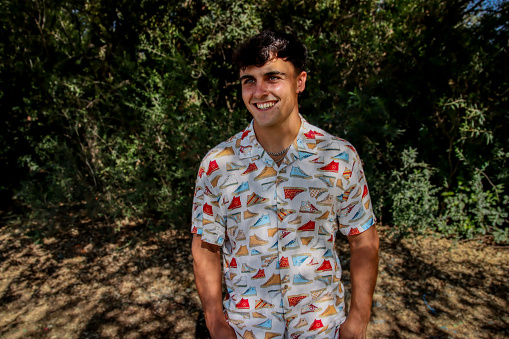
(301, 81)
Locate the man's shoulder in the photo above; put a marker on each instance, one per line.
(227, 148)
(327, 140)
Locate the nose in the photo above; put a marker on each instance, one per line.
(261, 89)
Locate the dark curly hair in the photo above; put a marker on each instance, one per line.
(267, 45)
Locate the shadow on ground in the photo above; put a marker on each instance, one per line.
(435, 288)
(85, 280)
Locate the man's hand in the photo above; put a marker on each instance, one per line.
(364, 271)
(222, 330)
(208, 279)
(353, 329)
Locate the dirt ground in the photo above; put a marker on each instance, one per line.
(90, 281)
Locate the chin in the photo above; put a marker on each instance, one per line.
(264, 121)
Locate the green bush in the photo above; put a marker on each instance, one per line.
(414, 201)
(110, 105)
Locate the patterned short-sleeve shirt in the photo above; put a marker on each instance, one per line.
(277, 226)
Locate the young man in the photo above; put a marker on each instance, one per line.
(272, 198)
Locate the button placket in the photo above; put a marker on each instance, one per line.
(277, 197)
(276, 186)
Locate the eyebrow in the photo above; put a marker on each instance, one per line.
(247, 76)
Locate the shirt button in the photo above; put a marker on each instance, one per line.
(283, 248)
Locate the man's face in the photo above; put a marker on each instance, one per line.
(271, 92)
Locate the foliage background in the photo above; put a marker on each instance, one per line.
(109, 105)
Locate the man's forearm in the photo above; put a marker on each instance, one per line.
(208, 279)
(364, 271)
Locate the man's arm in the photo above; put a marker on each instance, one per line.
(207, 275)
(363, 271)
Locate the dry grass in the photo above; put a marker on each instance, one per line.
(92, 282)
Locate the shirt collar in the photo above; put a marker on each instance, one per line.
(304, 145)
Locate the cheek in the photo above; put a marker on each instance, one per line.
(286, 92)
(245, 94)
(245, 98)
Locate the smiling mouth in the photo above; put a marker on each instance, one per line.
(265, 105)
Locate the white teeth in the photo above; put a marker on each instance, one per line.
(265, 105)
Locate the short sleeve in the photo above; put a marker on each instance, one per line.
(355, 210)
(208, 219)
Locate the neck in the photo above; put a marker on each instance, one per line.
(276, 138)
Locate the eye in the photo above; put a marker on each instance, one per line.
(248, 81)
(274, 78)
